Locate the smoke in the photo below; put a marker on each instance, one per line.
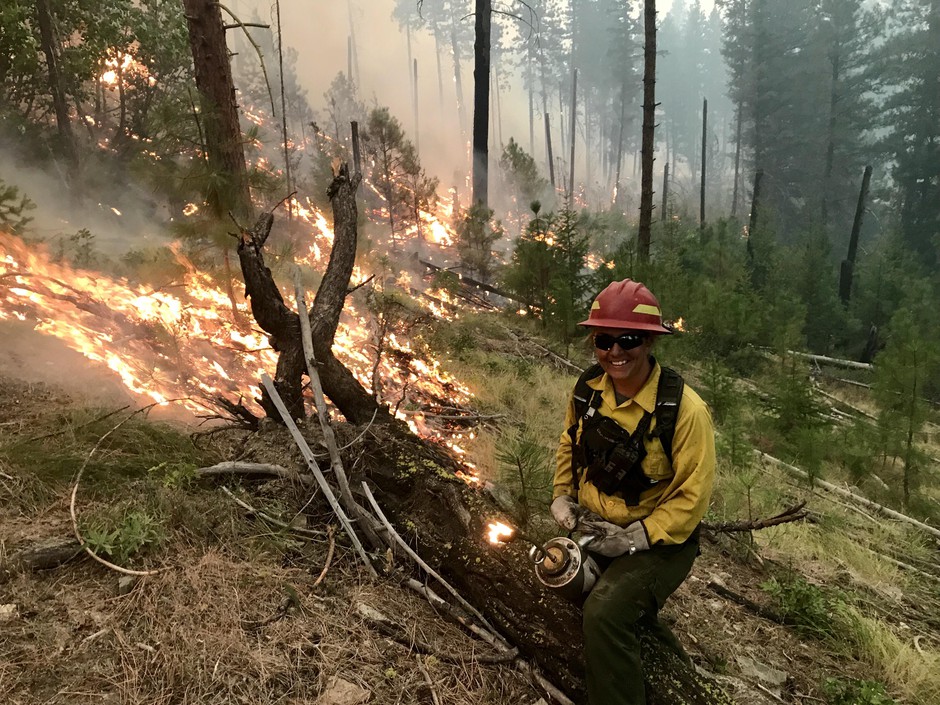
(119, 219)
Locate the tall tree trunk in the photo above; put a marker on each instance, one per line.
(440, 75)
(588, 137)
(619, 163)
(573, 126)
(649, 126)
(530, 82)
(549, 157)
(830, 140)
(848, 264)
(701, 222)
(737, 164)
(754, 266)
(355, 49)
(481, 101)
(458, 81)
(417, 122)
(57, 89)
(226, 154)
(280, 72)
(662, 216)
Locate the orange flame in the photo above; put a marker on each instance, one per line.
(499, 533)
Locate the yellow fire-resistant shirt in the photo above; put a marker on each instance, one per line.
(670, 510)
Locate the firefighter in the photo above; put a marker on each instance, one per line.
(635, 469)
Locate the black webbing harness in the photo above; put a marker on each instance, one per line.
(611, 455)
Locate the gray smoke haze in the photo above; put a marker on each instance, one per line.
(319, 30)
(120, 219)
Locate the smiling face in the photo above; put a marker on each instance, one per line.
(628, 369)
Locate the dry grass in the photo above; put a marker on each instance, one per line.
(192, 635)
(910, 669)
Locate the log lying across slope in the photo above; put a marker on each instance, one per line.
(417, 486)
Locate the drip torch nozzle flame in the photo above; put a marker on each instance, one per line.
(501, 534)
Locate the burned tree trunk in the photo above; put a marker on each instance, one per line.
(481, 101)
(283, 325)
(222, 132)
(57, 88)
(649, 126)
(847, 269)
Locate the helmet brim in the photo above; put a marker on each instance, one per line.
(624, 325)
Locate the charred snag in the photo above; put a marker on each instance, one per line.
(283, 325)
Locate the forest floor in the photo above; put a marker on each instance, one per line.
(241, 613)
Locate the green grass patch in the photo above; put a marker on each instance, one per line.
(59, 444)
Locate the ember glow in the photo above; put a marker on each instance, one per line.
(499, 533)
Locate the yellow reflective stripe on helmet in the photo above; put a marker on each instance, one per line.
(647, 308)
(595, 306)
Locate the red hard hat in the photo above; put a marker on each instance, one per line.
(629, 305)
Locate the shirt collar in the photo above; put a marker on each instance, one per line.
(646, 397)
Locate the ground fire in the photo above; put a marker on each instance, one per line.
(181, 342)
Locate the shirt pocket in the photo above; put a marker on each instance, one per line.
(656, 465)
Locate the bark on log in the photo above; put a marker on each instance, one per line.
(283, 325)
(649, 126)
(224, 146)
(43, 555)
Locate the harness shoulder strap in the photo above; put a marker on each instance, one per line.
(583, 395)
(586, 402)
(668, 398)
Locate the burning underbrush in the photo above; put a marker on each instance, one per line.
(190, 341)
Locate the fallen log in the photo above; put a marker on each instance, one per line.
(254, 470)
(865, 502)
(838, 362)
(43, 555)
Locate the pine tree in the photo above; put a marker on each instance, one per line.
(476, 234)
(908, 68)
(397, 173)
(902, 371)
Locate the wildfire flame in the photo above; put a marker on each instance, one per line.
(184, 342)
(126, 65)
(678, 324)
(188, 340)
(499, 533)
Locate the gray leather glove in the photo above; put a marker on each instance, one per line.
(566, 511)
(612, 540)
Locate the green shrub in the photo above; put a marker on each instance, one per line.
(840, 691)
(804, 605)
(123, 538)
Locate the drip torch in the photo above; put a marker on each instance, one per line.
(561, 563)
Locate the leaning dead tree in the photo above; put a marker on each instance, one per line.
(493, 591)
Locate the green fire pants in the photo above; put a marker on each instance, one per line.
(628, 597)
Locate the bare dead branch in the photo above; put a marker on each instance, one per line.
(257, 48)
(794, 513)
(321, 480)
(231, 467)
(311, 533)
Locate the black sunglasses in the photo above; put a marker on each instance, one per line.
(626, 341)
